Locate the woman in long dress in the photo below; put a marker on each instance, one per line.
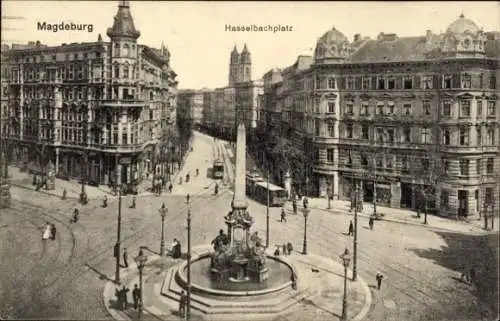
(47, 232)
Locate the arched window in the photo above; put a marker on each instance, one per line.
(126, 50)
(117, 49)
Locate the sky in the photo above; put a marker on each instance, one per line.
(195, 32)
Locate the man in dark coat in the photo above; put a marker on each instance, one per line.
(182, 304)
(370, 222)
(124, 295)
(136, 296)
(351, 229)
(294, 205)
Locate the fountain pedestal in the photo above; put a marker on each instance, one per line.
(239, 267)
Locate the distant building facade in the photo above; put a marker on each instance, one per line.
(374, 110)
(91, 110)
(224, 107)
(190, 105)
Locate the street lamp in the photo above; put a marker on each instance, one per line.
(346, 259)
(188, 303)
(140, 260)
(305, 211)
(163, 213)
(355, 244)
(267, 208)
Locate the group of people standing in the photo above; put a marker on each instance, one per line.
(122, 297)
(49, 231)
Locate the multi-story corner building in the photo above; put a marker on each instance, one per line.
(92, 110)
(379, 110)
(270, 117)
(190, 105)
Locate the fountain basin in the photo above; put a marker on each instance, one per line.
(280, 274)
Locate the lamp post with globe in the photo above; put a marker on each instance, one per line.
(346, 259)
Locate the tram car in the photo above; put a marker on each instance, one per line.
(277, 194)
(218, 169)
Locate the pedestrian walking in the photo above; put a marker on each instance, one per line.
(136, 296)
(351, 229)
(182, 304)
(118, 295)
(105, 201)
(124, 297)
(133, 202)
(294, 206)
(170, 187)
(277, 252)
(289, 248)
(370, 222)
(464, 277)
(472, 275)
(284, 249)
(46, 231)
(52, 232)
(305, 202)
(283, 215)
(64, 193)
(125, 258)
(379, 278)
(76, 215)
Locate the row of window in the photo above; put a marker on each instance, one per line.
(386, 161)
(449, 81)
(388, 108)
(67, 57)
(388, 135)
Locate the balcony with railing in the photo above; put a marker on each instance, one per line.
(128, 102)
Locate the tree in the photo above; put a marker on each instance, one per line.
(428, 170)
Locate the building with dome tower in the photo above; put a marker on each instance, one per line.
(93, 111)
(376, 112)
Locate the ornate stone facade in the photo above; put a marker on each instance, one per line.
(377, 110)
(95, 110)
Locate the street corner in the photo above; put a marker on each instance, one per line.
(324, 279)
(153, 272)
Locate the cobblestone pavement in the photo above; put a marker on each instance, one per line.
(65, 277)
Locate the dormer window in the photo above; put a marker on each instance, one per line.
(126, 50)
(466, 43)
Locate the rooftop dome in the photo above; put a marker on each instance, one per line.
(462, 25)
(333, 35)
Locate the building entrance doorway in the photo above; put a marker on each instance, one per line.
(368, 191)
(463, 203)
(406, 195)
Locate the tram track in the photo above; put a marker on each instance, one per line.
(93, 256)
(399, 272)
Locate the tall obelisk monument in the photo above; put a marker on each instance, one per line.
(240, 197)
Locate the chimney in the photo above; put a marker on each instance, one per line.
(357, 37)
